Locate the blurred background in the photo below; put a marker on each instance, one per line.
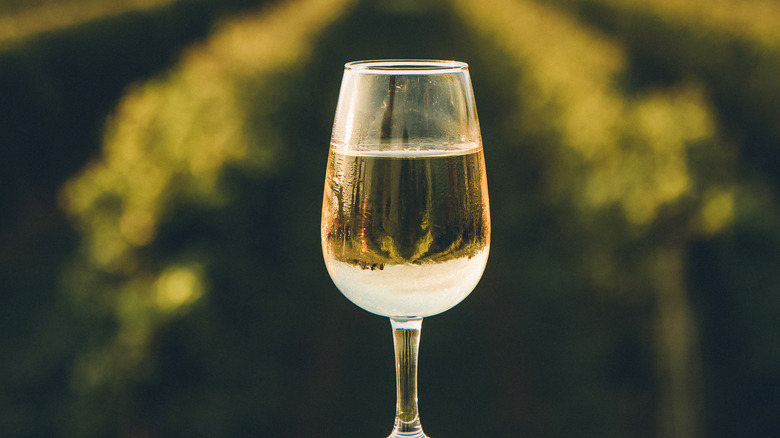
(160, 190)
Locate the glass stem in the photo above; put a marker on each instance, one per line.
(406, 338)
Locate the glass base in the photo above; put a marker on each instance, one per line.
(407, 430)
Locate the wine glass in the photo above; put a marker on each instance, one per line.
(405, 215)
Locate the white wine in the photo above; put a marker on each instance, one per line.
(405, 215)
(406, 233)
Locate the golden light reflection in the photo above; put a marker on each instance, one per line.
(718, 211)
(178, 286)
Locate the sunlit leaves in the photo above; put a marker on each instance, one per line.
(632, 146)
(619, 154)
(754, 20)
(44, 16)
(168, 143)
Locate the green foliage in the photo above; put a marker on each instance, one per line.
(160, 253)
(732, 46)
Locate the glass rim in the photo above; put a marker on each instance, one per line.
(406, 66)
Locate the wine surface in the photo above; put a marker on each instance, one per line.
(406, 233)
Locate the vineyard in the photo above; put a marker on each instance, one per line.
(161, 186)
